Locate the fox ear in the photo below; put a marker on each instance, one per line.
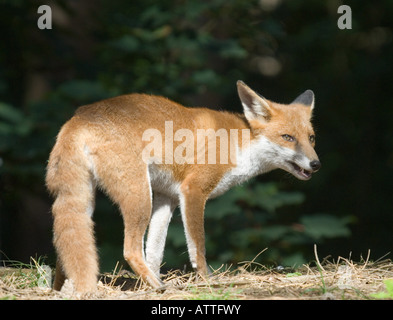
(254, 105)
(307, 98)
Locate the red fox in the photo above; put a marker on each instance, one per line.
(117, 145)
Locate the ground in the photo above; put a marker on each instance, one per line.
(340, 280)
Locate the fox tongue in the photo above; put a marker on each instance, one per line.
(304, 173)
(301, 171)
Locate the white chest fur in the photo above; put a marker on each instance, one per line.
(259, 157)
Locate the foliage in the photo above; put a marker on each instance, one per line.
(385, 295)
(246, 220)
(20, 275)
(211, 293)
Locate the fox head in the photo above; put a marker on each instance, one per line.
(286, 129)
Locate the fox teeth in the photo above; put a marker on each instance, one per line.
(301, 171)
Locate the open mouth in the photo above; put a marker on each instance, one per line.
(300, 172)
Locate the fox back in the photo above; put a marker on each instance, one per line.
(150, 155)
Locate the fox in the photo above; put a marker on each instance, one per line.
(102, 145)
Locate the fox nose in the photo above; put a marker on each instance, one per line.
(315, 165)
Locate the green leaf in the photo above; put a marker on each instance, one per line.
(389, 286)
(84, 90)
(275, 232)
(381, 295)
(220, 209)
(268, 196)
(243, 238)
(176, 235)
(293, 274)
(385, 295)
(13, 121)
(126, 43)
(207, 77)
(320, 226)
(231, 49)
(10, 113)
(226, 204)
(293, 260)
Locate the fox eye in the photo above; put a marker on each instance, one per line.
(312, 138)
(287, 137)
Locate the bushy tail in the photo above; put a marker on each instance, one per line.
(70, 181)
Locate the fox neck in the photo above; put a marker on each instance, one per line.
(259, 157)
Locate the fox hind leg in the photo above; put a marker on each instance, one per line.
(163, 207)
(136, 211)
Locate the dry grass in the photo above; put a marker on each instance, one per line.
(341, 279)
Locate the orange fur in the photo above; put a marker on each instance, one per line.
(101, 145)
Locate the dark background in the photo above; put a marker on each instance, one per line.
(194, 52)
